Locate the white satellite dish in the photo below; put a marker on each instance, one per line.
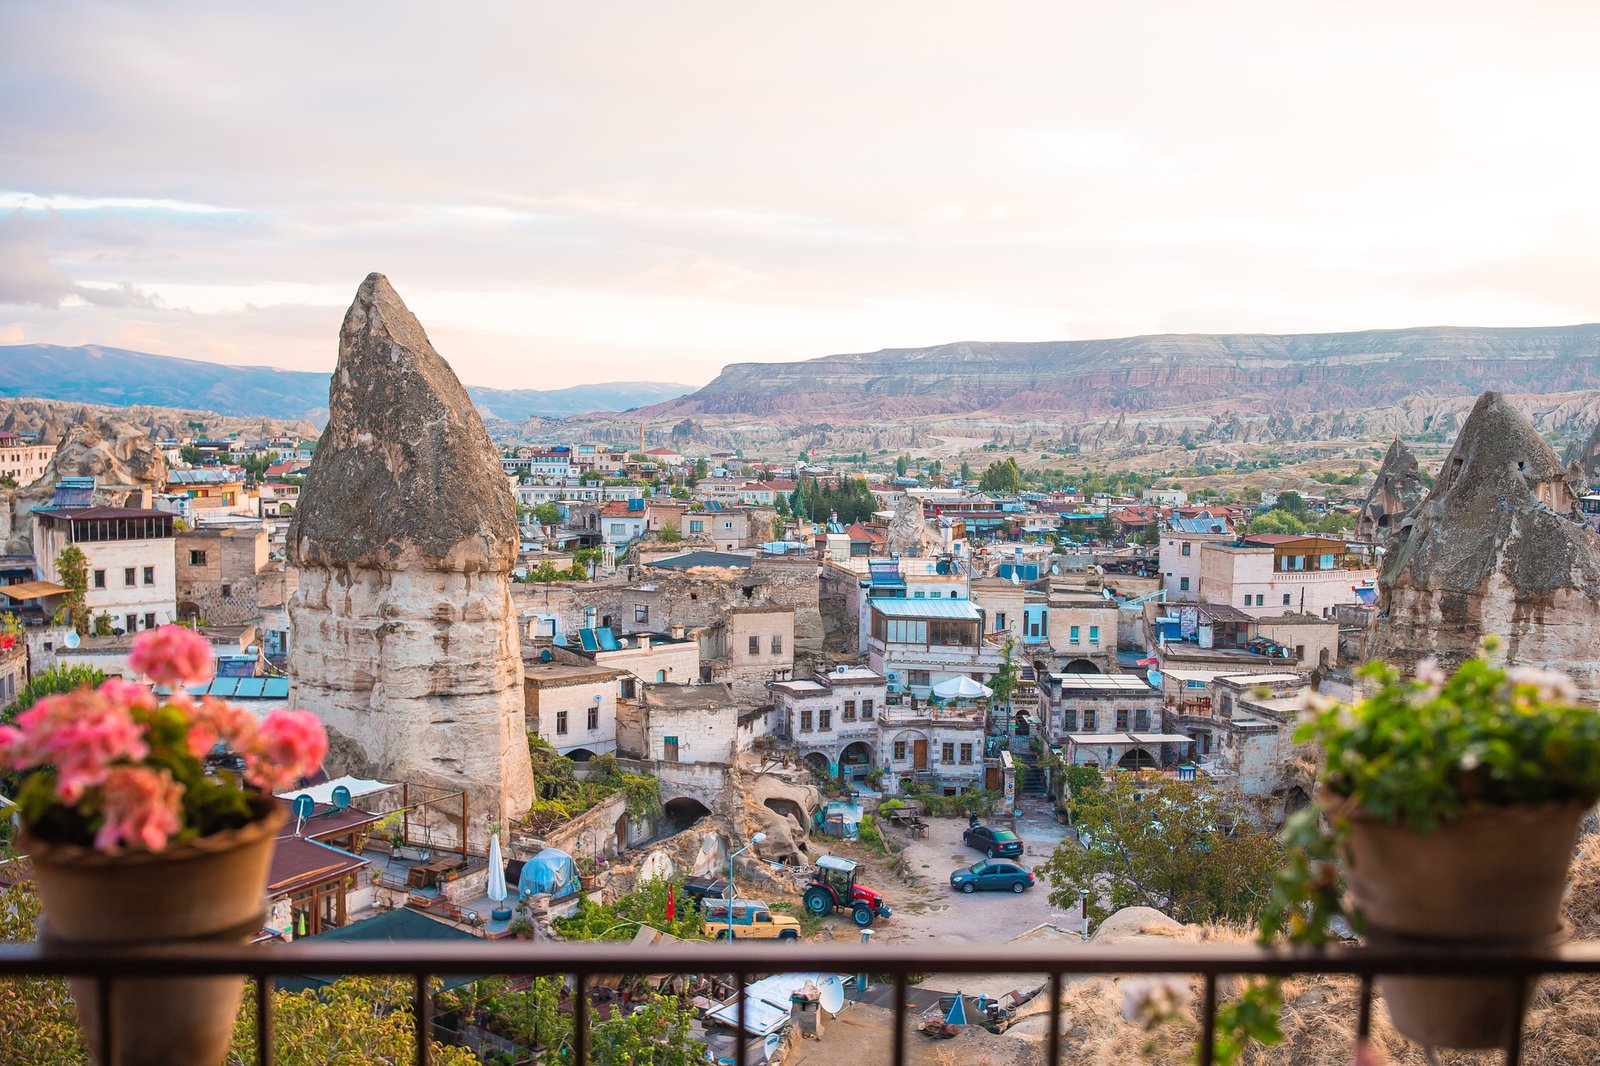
(832, 988)
(72, 640)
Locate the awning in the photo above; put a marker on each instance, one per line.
(401, 925)
(33, 590)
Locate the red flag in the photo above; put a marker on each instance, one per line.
(672, 904)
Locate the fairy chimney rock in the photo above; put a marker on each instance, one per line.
(907, 528)
(403, 635)
(1394, 495)
(1583, 461)
(1496, 548)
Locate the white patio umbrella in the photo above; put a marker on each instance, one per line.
(962, 688)
(497, 877)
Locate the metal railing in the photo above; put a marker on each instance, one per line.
(582, 961)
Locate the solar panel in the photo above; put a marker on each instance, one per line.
(587, 638)
(608, 640)
(250, 688)
(225, 686)
(276, 688)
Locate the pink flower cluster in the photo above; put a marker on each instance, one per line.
(98, 742)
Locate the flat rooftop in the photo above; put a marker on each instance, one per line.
(555, 675)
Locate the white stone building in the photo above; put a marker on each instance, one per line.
(130, 560)
(21, 460)
(573, 708)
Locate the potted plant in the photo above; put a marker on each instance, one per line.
(1453, 804)
(132, 840)
(521, 928)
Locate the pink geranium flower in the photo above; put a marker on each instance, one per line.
(287, 746)
(172, 656)
(142, 807)
(81, 734)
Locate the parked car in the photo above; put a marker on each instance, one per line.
(991, 875)
(752, 920)
(995, 843)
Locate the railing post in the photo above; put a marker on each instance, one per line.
(266, 1053)
(107, 1027)
(1208, 1023)
(1053, 1039)
(580, 1018)
(422, 1020)
(899, 1019)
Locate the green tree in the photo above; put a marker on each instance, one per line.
(256, 465)
(669, 535)
(1192, 853)
(102, 625)
(1292, 502)
(191, 455)
(73, 567)
(1276, 521)
(901, 465)
(701, 468)
(355, 1020)
(1002, 478)
(38, 1026)
(1004, 681)
(547, 514)
(51, 682)
(966, 471)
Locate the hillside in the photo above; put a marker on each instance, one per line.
(121, 378)
(1240, 373)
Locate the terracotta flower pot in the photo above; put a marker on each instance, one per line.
(207, 890)
(1494, 876)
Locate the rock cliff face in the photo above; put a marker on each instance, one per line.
(123, 460)
(1394, 495)
(1287, 374)
(1584, 459)
(404, 639)
(1495, 548)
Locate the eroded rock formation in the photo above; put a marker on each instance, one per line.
(908, 528)
(125, 463)
(1394, 495)
(1495, 548)
(404, 639)
(1585, 458)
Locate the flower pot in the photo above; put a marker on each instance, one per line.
(210, 889)
(1494, 876)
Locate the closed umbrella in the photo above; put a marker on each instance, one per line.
(497, 880)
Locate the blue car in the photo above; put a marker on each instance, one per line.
(989, 875)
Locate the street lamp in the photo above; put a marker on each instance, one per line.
(758, 838)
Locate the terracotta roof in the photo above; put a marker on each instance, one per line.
(619, 509)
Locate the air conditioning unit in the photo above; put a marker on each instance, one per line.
(890, 676)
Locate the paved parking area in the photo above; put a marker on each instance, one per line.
(932, 912)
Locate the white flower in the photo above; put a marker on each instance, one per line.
(1149, 1001)
(1552, 685)
(1470, 761)
(1429, 672)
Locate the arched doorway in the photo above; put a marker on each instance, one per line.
(910, 746)
(580, 754)
(818, 764)
(621, 830)
(855, 761)
(787, 808)
(1080, 666)
(1138, 759)
(680, 813)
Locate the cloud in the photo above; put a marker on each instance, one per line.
(28, 278)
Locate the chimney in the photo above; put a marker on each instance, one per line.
(644, 642)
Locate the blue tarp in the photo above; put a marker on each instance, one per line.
(549, 871)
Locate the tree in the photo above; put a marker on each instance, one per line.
(191, 455)
(547, 514)
(102, 625)
(256, 465)
(1195, 854)
(1002, 478)
(38, 1026)
(669, 535)
(966, 471)
(73, 568)
(901, 465)
(701, 469)
(357, 1019)
(1004, 681)
(51, 682)
(1276, 521)
(1292, 502)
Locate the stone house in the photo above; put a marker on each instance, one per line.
(574, 708)
(210, 489)
(1202, 703)
(1082, 629)
(679, 723)
(130, 560)
(1179, 553)
(831, 719)
(938, 747)
(217, 570)
(23, 461)
(13, 669)
(1271, 574)
(1071, 702)
(748, 649)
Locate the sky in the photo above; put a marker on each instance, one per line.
(573, 193)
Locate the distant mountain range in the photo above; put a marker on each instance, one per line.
(115, 376)
(1198, 373)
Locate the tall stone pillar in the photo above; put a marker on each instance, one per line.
(403, 635)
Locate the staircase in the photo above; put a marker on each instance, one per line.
(1030, 775)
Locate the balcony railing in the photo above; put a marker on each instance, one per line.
(583, 962)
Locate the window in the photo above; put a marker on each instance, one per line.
(130, 576)
(777, 643)
(1122, 719)
(197, 558)
(594, 717)
(1260, 599)
(947, 752)
(966, 753)
(1069, 720)
(1094, 634)
(669, 749)
(99, 579)
(1247, 599)
(899, 751)
(150, 620)
(1183, 584)
(641, 612)
(130, 623)
(999, 621)
(1074, 634)
(805, 721)
(1185, 548)
(825, 719)
(1141, 720)
(866, 708)
(919, 594)
(1286, 599)
(1090, 720)
(618, 529)
(561, 723)
(149, 575)
(696, 526)
(755, 645)
(849, 711)
(918, 678)
(227, 589)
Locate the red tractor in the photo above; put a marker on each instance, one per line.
(833, 885)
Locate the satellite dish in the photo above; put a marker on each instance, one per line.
(770, 1046)
(341, 794)
(1154, 677)
(72, 640)
(832, 989)
(304, 805)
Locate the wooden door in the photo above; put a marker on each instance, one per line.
(919, 754)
